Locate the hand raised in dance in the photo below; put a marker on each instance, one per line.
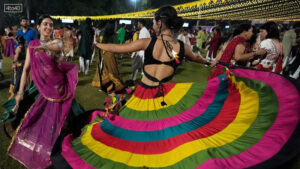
(213, 63)
(39, 49)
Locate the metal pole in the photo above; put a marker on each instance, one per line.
(198, 21)
(27, 8)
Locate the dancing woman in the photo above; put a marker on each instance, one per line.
(18, 65)
(9, 50)
(234, 122)
(68, 40)
(214, 44)
(237, 49)
(53, 87)
(107, 76)
(271, 48)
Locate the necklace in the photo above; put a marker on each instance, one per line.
(44, 41)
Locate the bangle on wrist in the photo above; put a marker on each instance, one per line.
(20, 93)
(45, 47)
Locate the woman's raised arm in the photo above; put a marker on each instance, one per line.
(137, 45)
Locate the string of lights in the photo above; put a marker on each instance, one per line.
(275, 10)
(264, 10)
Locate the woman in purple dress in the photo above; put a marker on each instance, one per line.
(48, 117)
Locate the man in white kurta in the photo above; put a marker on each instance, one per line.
(139, 59)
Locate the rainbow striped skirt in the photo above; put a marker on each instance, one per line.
(241, 119)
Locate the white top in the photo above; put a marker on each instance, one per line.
(144, 33)
(98, 32)
(184, 39)
(272, 53)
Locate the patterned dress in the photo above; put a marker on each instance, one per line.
(243, 118)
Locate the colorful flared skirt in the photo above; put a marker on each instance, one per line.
(242, 119)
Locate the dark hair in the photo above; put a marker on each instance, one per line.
(68, 27)
(88, 21)
(20, 40)
(297, 31)
(168, 15)
(142, 21)
(217, 29)
(42, 17)
(241, 28)
(296, 25)
(22, 44)
(2, 31)
(123, 25)
(108, 31)
(272, 29)
(23, 18)
(10, 34)
(252, 40)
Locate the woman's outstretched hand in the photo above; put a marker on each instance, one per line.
(18, 98)
(213, 63)
(260, 51)
(38, 49)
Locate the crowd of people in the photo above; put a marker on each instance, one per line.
(279, 45)
(266, 49)
(163, 124)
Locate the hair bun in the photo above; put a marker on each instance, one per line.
(168, 15)
(176, 23)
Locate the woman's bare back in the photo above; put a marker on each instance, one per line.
(160, 71)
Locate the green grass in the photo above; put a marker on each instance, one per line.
(91, 98)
